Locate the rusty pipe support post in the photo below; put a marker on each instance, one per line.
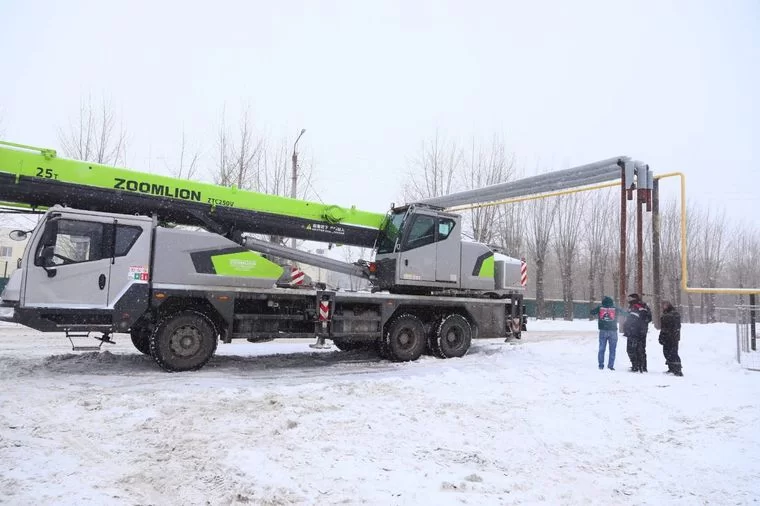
(623, 218)
(640, 202)
(656, 277)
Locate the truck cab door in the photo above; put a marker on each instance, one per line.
(70, 264)
(417, 257)
(448, 251)
(129, 272)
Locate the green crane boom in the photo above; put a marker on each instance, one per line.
(38, 178)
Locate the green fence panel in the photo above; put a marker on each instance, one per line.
(555, 309)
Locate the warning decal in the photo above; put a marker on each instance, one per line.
(138, 272)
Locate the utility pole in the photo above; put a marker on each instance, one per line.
(294, 180)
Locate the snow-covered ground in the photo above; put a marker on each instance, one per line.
(531, 421)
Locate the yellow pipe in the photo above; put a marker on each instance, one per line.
(684, 266)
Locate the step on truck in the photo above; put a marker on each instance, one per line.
(108, 256)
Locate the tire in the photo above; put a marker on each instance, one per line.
(141, 339)
(404, 340)
(452, 338)
(183, 341)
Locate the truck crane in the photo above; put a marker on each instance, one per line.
(103, 260)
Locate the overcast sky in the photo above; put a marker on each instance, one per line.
(674, 84)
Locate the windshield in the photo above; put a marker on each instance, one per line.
(391, 232)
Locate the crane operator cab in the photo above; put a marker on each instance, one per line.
(420, 250)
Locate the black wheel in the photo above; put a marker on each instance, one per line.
(452, 338)
(183, 341)
(405, 338)
(348, 345)
(141, 339)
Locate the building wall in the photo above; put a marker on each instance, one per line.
(10, 252)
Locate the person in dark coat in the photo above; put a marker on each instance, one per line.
(635, 329)
(670, 335)
(607, 317)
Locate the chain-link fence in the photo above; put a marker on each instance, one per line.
(747, 353)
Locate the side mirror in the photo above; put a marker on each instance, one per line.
(18, 235)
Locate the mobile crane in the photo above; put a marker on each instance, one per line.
(101, 260)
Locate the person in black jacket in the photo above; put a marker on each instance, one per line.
(635, 329)
(670, 335)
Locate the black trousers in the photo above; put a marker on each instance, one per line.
(637, 353)
(670, 350)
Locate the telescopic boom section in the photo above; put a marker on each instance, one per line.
(38, 178)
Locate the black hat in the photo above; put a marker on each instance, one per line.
(634, 297)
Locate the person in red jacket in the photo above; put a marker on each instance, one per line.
(607, 315)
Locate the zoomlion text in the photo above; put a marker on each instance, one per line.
(156, 189)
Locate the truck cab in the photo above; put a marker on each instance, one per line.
(79, 269)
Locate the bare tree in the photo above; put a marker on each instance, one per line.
(608, 254)
(246, 153)
(711, 258)
(223, 170)
(694, 236)
(540, 221)
(350, 255)
(94, 135)
(273, 172)
(599, 219)
(487, 167)
(433, 171)
(186, 167)
(239, 156)
(569, 216)
(670, 251)
(511, 219)
(744, 252)
(249, 160)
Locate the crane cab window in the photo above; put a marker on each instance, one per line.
(422, 232)
(73, 242)
(76, 241)
(445, 226)
(125, 239)
(426, 230)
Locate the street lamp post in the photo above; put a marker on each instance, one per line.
(294, 179)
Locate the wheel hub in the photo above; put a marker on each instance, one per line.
(453, 337)
(185, 341)
(404, 339)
